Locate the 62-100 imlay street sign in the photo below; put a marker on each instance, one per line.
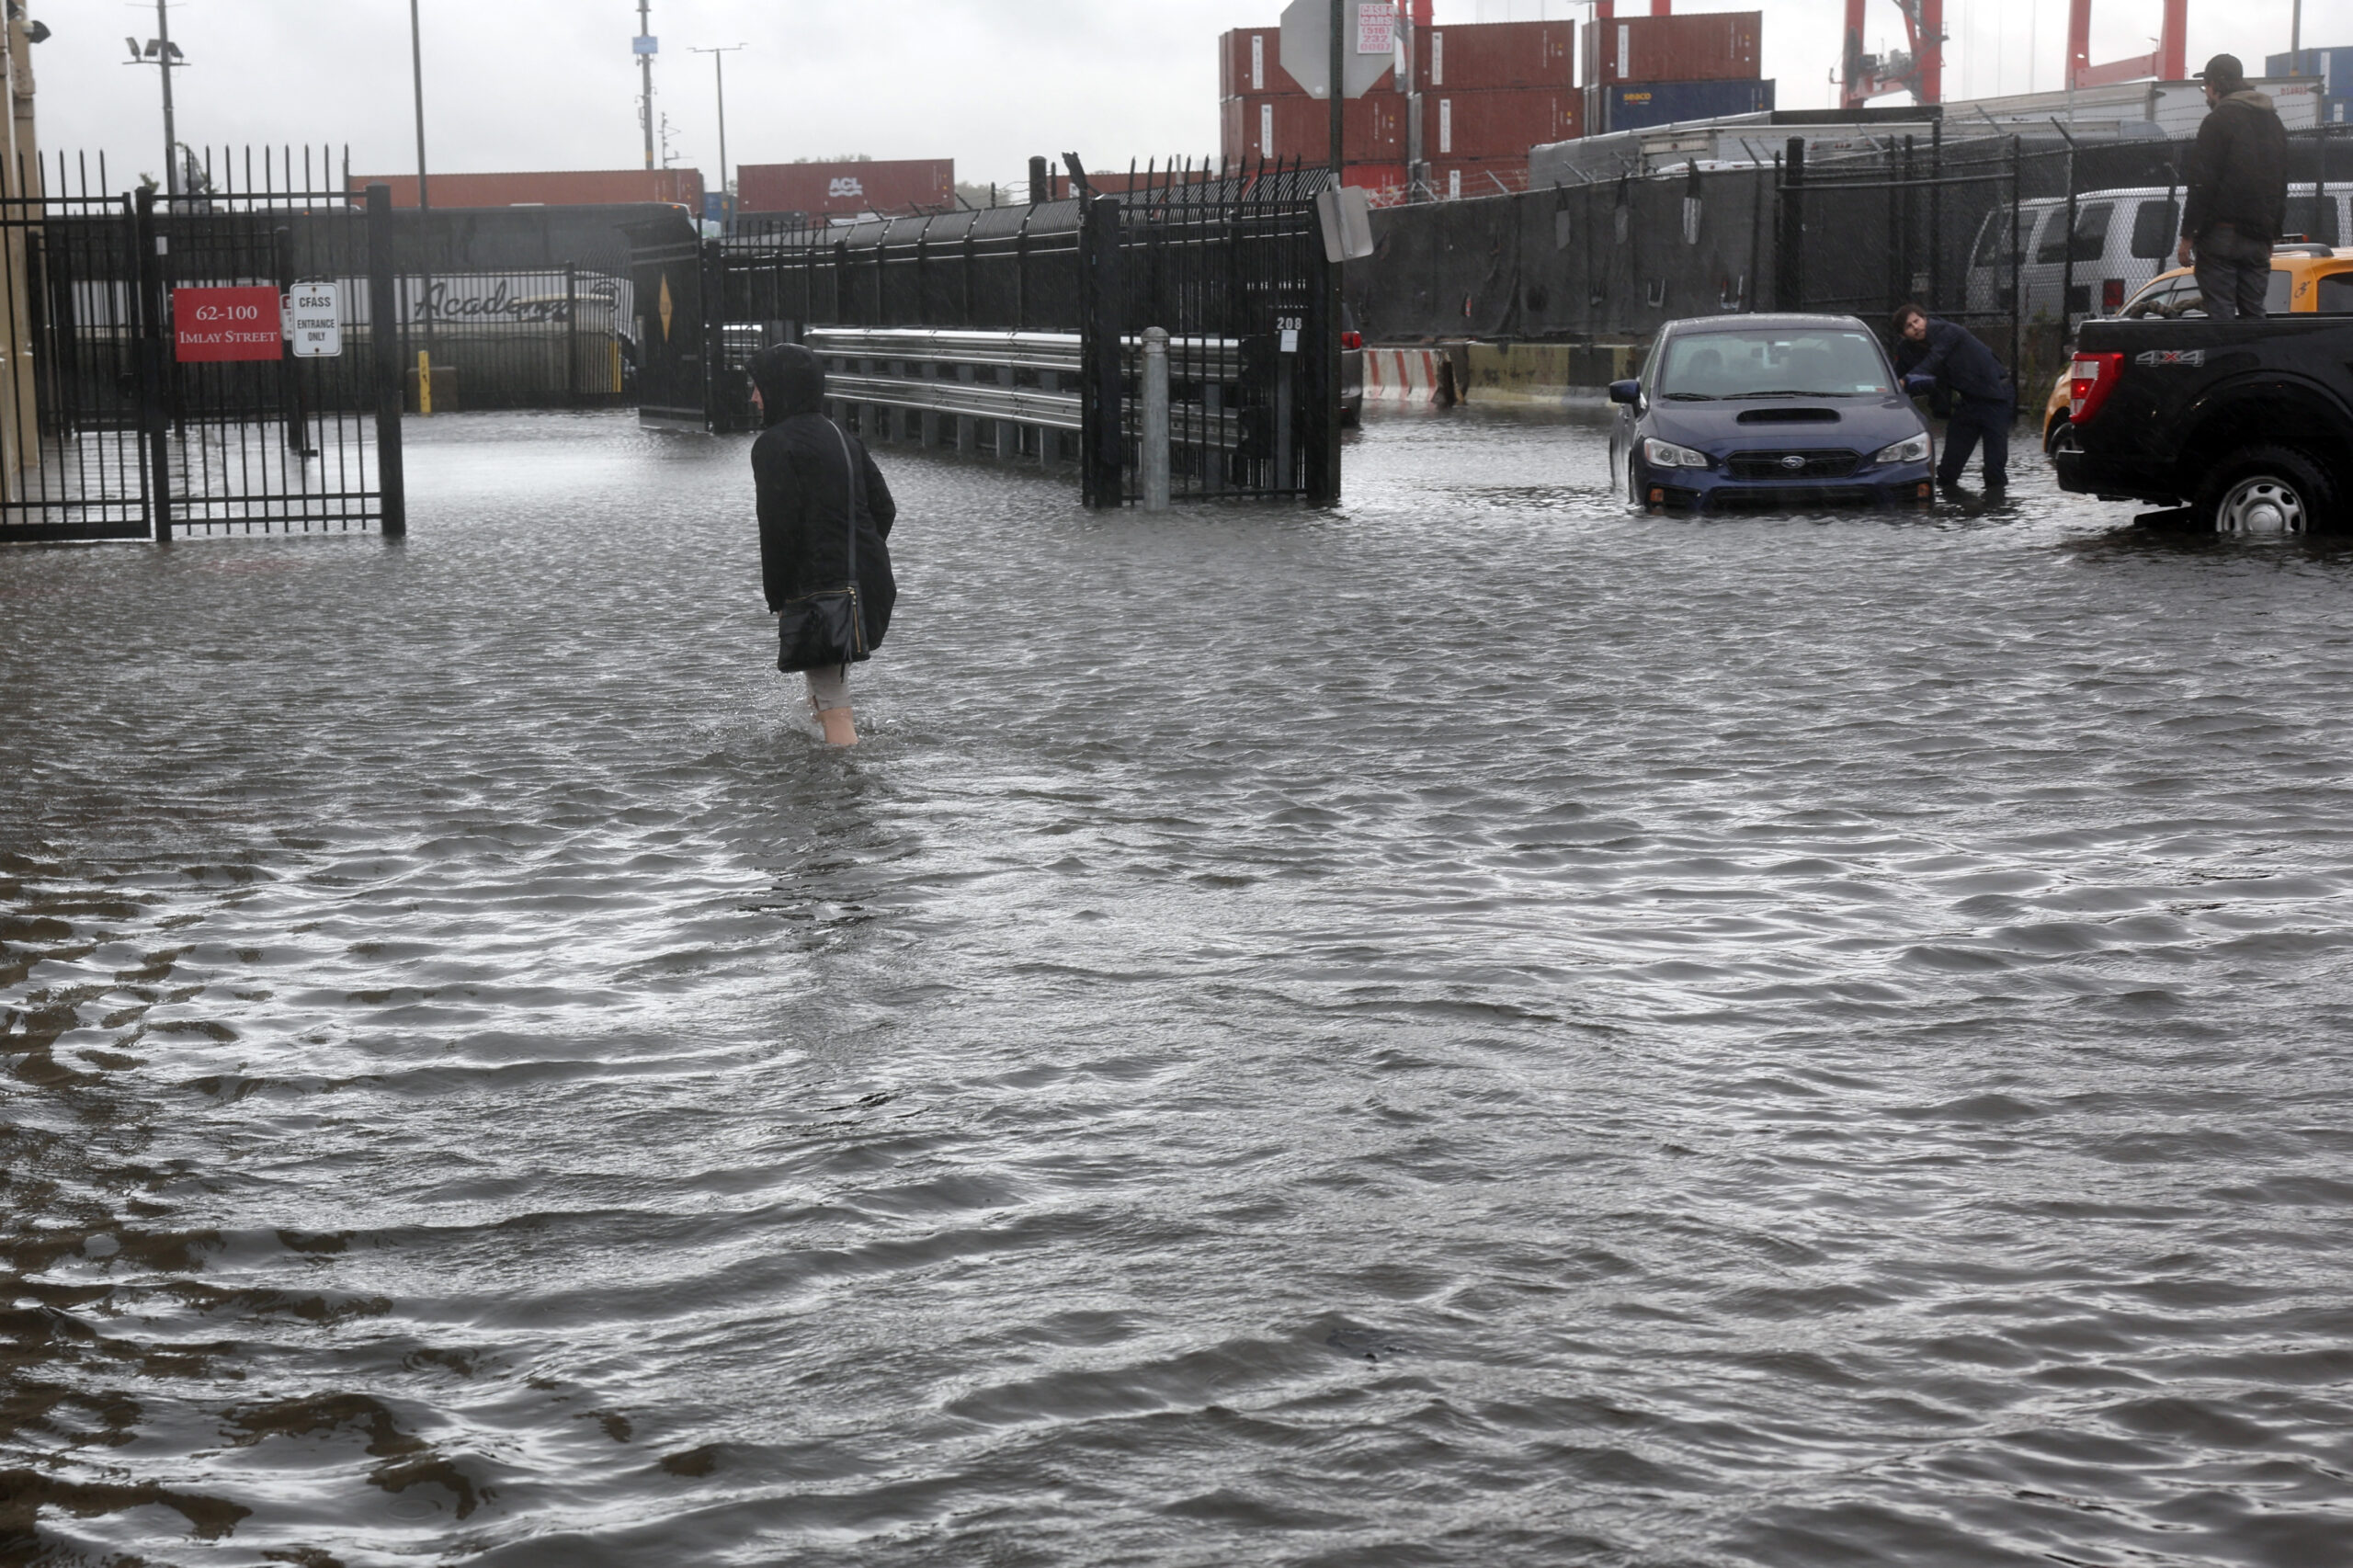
(1365, 58)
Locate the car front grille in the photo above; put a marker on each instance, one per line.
(1809, 465)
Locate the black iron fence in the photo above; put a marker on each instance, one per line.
(1060, 293)
(162, 387)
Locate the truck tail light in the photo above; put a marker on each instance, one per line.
(2111, 296)
(2089, 380)
(1352, 340)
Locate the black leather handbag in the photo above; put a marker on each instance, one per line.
(819, 630)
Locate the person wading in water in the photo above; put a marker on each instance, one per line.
(814, 478)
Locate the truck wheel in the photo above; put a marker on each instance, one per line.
(2061, 437)
(2268, 490)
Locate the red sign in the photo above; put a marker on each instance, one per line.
(227, 324)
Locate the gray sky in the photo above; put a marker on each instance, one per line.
(551, 84)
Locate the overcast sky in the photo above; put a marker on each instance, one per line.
(551, 84)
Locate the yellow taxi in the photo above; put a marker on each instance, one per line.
(2304, 277)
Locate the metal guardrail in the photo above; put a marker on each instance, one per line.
(1017, 380)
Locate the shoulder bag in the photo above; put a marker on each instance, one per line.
(820, 631)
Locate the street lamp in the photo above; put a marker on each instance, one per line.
(719, 75)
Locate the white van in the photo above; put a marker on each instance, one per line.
(2122, 239)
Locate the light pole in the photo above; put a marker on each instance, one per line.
(161, 51)
(416, 73)
(719, 77)
(646, 44)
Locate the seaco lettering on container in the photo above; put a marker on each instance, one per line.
(1637, 106)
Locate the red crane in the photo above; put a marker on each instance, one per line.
(2169, 64)
(1918, 69)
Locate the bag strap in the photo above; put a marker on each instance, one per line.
(850, 496)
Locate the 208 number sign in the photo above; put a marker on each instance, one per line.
(226, 323)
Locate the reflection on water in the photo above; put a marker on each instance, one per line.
(1482, 1029)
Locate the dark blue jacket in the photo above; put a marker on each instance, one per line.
(1955, 356)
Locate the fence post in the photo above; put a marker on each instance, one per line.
(1936, 216)
(1103, 436)
(383, 334)
(154, 365)
(1153, 460)
(571, 332)
(2017, 256)
(1789, 260)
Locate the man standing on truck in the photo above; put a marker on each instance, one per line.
(2237, 179)
(1941, 356)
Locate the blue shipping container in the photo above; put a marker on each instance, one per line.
(2335, 69)
(1636, 105)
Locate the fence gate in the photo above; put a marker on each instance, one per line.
(167, 386)
(1018, 331)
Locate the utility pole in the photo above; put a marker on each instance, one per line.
(718, 76)
(417, 71)
(2296, 40)
(646, 45)
(1339, 94)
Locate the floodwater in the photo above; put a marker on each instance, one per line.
(1481, 1028)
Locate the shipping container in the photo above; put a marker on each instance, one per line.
(1504, 124)
(1718, 46)
(1249, 60)
(558, 187)
(1453, 178)
(2335, 69)
(1296, 126)
(841, 189)
(1635, 105)
(1498, 54)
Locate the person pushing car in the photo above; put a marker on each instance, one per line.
(1939, 355)
(2236, 176)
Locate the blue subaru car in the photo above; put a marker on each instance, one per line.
(1769, 411)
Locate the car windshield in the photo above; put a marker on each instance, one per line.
(1813, 362)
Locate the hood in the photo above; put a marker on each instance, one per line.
(1863, 423)
(791, 379)
(2249, 97)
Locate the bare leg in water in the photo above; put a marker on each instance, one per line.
(829, 699)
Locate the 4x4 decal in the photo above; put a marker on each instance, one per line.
(2192, 356)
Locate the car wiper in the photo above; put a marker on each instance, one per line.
(1793, 392)
(1690, 397)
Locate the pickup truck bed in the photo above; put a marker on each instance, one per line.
(2249, 422)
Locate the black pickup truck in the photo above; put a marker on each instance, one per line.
(2247, 424)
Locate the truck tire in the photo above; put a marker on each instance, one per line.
(2268, 490)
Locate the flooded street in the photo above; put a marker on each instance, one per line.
(1481, 1028)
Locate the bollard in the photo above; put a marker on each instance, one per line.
(1153, 458)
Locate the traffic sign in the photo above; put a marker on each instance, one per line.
(314, 320)
(213, 325)
(1368, 56)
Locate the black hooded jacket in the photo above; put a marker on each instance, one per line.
(2237, 170)
(803, 465)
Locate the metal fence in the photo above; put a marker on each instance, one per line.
(1996, 232)
(1018, 331)
(156, 395)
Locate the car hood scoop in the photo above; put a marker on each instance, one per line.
(1789, 416)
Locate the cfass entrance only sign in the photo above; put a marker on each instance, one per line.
(314, 320)
(213, 324)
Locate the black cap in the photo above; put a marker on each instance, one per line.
(2224, 68)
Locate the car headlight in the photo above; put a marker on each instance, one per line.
(1915, 450)
(1666, 454)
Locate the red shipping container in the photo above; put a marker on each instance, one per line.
(879, 185)
(558, 188)
(1453, 177)
(1718, 46)
(1501, 124)
(1498, 54)
(1249, 60)
(1295, 126)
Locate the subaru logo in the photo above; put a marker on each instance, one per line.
(1794, 461)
